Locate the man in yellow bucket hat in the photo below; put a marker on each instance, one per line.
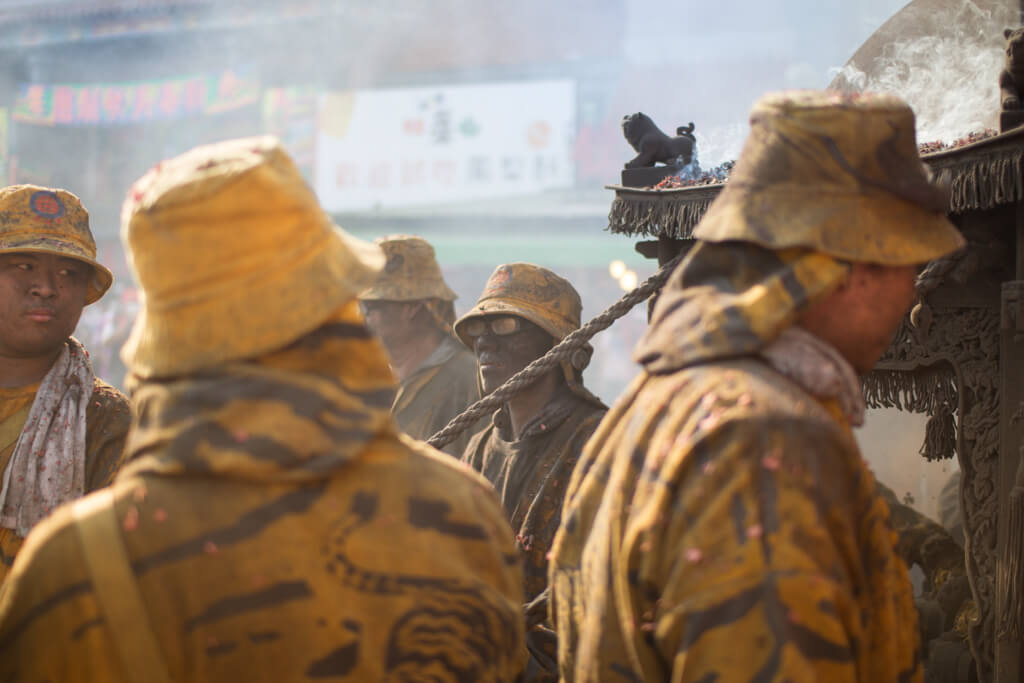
(411, 308)
(529, 449)
(722, 523)
(62, 429)
(273, 525)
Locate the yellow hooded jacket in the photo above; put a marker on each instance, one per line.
(721, 524)
(279, 529)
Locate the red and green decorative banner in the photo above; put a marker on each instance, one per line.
(89, 105)
(290, 114)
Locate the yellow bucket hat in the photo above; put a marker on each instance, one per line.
(545, 299)
(234, 257)
(411, 272)
(46, 220)
(531, 292)
(836, 173)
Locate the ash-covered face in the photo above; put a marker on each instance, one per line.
(41, 300)
(500, 356)
(392, 321)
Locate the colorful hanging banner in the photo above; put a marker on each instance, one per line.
(291, 115)
(5, 160)
(90, 105)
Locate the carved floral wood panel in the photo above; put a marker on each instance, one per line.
(960, 348)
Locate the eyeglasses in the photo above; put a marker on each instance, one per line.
(384, 307)
(500, 325)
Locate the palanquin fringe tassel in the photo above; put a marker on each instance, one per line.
(657, 214)
(931, 391)
(982, 179)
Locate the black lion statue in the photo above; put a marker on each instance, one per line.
(1011, 81)
(652, 145)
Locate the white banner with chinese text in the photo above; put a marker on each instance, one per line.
(417, 146)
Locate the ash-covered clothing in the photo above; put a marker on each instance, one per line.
(722, 524)
(443, 386)
(280, 529)
(531, 474)
(819, 368)
(107, 418)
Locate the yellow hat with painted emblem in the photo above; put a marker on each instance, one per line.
(234, 257)
(836, 173)
(411, 272)
(46, 220)
(530, 292)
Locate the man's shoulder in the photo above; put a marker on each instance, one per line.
(584, 420)
(734, 409)
(109, 410)
(455, 375)
(465, 490)
(478, 443)
(587, 413)
(108, 419)
(748, 385)
(462, 362)
(444, 468)
(106, 397)
(730, 423)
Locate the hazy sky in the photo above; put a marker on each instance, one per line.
(817, 33)
(709, 61)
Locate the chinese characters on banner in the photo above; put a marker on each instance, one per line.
(415, 146)
(88, 105)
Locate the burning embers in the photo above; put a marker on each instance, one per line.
(720, 174)
(715, 176)
(939, 146)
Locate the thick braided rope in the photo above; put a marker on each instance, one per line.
(558, 353)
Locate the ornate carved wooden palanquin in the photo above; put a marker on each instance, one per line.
(958, 357)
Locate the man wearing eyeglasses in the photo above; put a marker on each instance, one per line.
(411, 309)
(529, 449)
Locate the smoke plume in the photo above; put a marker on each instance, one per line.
(944, 58)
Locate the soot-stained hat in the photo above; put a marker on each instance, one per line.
(531, 292)
(234, 257)
(411, 272)
(47, 220)
(547, 300)
(835, 173)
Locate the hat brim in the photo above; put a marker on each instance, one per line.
(540, 317)
(878, 228)
(537, 315)
(102, 279)
(293, 301)
(387, 292)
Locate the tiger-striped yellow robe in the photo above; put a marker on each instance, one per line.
(280, 530)
(721, 524)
